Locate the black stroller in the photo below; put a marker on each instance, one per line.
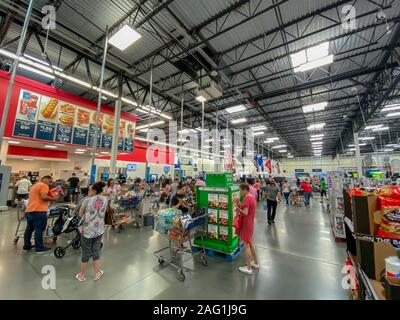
(66, 225)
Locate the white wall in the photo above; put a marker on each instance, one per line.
(64, 169)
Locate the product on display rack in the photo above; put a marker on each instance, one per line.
(218, 198)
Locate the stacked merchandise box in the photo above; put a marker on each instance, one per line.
(218, 199)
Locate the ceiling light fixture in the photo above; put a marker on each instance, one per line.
(125, 37)
(317, 126)
(41, 73)
(13, 142)
(150, 125)
(236, 109)
(258, 133)
(315, 136)
(280, 146)
(311, 58)
(391, 107)
(393, 114)
(237, 121)
(374, 127)
(366, 138)
(50, 147)
(201, 99)
(259, 128)
(380, 129)
(315, 107)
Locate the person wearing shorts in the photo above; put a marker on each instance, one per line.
(92, 211)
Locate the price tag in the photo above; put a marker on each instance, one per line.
(24, 129)
(45, 130)
(63, 133)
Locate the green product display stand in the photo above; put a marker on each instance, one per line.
(218, 201)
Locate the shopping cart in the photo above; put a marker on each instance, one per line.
(59, 210)
(126, 211)
(297, 197)
(180, 229)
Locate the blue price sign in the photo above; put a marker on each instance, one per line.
(128, 145)
(24, 129)
(121, 145)
(45, 130)
(106, 141)
(92, 130)
(80, 136)
(63, 133)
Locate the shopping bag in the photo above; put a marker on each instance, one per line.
(265, 206)
(237, 223)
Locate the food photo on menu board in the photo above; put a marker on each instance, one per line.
(108, 129)
(81, 128)
(130, 136)
(25, 121)
(47, 118)
(65, 123)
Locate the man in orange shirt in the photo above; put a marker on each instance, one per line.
(36, 214)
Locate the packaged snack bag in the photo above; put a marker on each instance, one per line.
(390, 225)
(56, 192)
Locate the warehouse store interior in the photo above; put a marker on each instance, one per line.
(200, 149)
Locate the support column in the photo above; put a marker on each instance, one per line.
(96, 131)
(202, 137)
(147, 170)
(4, 152)
(14, 71)
(358, 155)
(117, 119)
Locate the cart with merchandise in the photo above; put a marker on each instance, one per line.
(54, 212)
(179, 229)
(126, 210)
(297, 197)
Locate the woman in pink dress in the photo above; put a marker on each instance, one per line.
(247, 208)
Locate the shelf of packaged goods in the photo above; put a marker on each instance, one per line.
(362, 277)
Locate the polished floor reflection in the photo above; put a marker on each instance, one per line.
(299, 260)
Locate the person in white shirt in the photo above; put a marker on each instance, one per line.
(23, 186)
(84, 185)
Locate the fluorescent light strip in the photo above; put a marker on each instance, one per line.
(237, 121)
(393, 114)
(280, 146)
(366, 138)
(374, 127)
(391, 107)
(315, 107)
(315, 64)
(41, 73)
(317, 126)
(380, 129)
(258, 133)
(150, 125)
(259, 128)
(236, 109)
(315, 136)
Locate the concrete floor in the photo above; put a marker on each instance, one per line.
(299, 260)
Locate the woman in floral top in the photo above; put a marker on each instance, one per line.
(92, 211)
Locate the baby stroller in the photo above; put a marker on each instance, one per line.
(67, 225)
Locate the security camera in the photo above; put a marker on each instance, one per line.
(381, 16)
(44, 56)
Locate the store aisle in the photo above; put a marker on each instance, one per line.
(299, 258)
